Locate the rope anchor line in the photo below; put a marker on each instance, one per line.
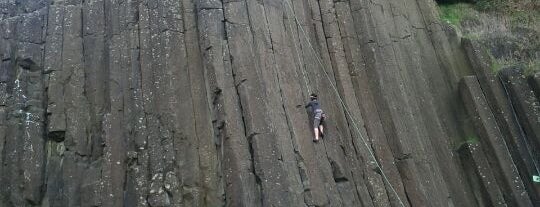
(372, 155)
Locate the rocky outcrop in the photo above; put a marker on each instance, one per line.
(497, 108)
(200, 103)
(497, 152)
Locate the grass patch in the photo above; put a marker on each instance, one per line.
(521, 13)
(491, 5)
(499, 64)
(506, 6)
(532, 67)
(529, 67)
(525, 18)
(468, 140)
(472, 36)
(472, 140)
(454, 13)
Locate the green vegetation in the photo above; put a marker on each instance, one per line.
(491, 5)
(520, 13)
(454, 13)
(496, 66)
(472, 140)
(499, 64)
(468, 140)
(506, 6)
(472, 36)
(532, 67)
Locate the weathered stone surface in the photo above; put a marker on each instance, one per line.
(240, 186)
(525, 102)
(483, 182)
(504, 111)
(496, 149)
(200, 103)
(268, 168)
(534, 81)
(526, 109)
(92, 185)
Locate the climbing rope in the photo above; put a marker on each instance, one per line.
(304, 77)
(522, 133)
(344, 105)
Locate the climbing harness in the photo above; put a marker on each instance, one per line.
(343, 104)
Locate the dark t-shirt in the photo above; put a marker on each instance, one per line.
(314, 105)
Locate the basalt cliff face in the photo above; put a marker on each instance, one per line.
(200, 103)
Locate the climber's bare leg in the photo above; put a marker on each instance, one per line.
(316, 131)
(321, 129)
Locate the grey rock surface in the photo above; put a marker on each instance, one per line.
(200, 103)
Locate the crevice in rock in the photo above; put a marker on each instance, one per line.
(209, 8)
(249, 137)
(258, 180)
(333, 178)
(237, 85)
(216, 95)
(27, 64)
(337, 172)
(57, 136)
(407, 196)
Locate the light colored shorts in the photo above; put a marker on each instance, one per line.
(319, 118)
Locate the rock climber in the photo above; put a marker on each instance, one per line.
(318, 116)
